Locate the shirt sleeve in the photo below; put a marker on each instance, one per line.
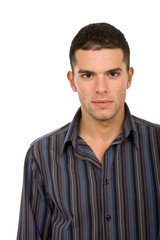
(35, 214)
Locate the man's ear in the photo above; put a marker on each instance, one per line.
(130, 75)
(71, 81)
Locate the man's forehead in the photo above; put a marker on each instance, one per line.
(99, 57)
(81, 54)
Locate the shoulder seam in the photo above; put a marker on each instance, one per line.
(55, 132)
(145, 122)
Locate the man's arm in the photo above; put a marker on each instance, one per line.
(35, 215)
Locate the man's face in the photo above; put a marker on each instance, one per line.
(101, 79)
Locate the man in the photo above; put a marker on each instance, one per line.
(97, 177)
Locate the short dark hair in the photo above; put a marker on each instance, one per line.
(98, 36)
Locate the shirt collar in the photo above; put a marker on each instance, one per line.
(128, 128)
(71, 135)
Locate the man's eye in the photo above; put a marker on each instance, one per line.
(87, 75)
(113, 74)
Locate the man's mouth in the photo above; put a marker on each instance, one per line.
(102, 102)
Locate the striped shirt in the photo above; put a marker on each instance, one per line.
(69, 194)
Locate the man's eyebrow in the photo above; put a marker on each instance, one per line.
(115, 70)
(85, 71)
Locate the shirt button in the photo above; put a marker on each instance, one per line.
(108, 218)
(106, 181)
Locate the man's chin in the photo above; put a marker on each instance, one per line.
(104, 117)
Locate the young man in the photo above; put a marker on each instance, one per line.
(97, 177)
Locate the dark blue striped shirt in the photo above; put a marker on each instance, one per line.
(68, 194)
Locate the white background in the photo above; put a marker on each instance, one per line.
(35, 96)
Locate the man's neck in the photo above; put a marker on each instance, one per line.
(103, 131)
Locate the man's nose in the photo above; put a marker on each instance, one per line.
(102, 84)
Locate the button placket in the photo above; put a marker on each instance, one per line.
(107, 179)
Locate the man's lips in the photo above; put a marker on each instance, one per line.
(102, 103)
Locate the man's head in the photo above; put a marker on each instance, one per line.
(100, 71)
(99, 36)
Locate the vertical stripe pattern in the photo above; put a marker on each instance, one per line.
(68, 194)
